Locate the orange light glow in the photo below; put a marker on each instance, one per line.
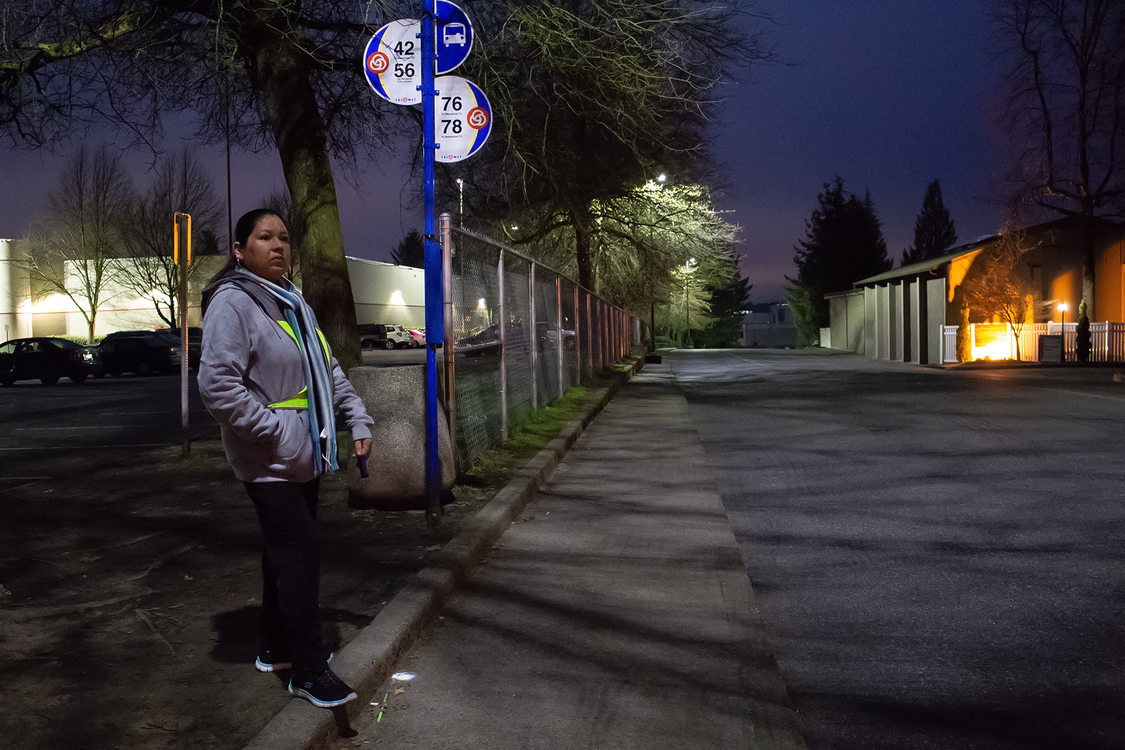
(992, 341)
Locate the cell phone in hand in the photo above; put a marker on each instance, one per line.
(361, 464)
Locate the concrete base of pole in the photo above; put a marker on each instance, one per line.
(396, 398)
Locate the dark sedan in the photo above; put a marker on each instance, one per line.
(488, 341)
(140, 352)
(195, 343)
(45, 358)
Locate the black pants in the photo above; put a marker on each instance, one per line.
(290, 571)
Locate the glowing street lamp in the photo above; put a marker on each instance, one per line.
(689, 269)
(1062, 310)
(461, 202)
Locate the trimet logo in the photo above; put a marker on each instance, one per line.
(378, 63)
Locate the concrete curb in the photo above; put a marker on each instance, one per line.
(366, 662)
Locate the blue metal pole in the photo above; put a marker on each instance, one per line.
(435, 322)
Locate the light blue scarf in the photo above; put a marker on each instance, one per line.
(318, 373)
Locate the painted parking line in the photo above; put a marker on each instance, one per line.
(116, 446)
(67, 429)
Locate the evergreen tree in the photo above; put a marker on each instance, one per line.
(843, 243)
(411, 251)
(933, 229)
(729, 299)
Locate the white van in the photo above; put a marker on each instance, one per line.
(384, 336)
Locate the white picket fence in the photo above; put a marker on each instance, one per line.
(1107, 341)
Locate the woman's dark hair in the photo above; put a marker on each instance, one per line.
(248, 221)
(242, 229)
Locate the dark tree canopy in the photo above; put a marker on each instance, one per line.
(843, 243)
(261, 72)
(934, 233)
(1067, 77)
(596, 98)
(591, 99)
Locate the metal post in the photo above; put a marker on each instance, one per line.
(603, 335)
(578, 331)
(450, 362)
(181, 251)
(503, 351)
(559, 368)
(534, 337)
(435, 328)
(616, 334)
(590, 336)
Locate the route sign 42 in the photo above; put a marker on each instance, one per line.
(392, 62)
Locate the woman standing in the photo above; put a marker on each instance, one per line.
(268, 377)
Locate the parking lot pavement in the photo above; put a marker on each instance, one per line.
(69, 428)
(384, 358)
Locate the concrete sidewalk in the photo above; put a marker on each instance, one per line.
(615, 612)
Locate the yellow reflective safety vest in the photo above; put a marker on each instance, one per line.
(301, 400)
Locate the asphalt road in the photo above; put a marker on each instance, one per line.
(938, 554)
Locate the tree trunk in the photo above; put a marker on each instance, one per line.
(580, 219)
(279, 70)
(1089, 261)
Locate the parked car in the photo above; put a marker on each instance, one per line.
(140, 352)
(384, 336)
(419, 336)
(46, 358)
(488, 340)
(547, 337)
(195, 344)
(96, 367)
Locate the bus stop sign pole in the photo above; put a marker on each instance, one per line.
(435, 314)
(181, 256)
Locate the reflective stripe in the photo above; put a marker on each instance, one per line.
(300, 401)
(289, 329)
(320, 334)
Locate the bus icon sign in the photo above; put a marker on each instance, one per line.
(453, 33)
(454, 37)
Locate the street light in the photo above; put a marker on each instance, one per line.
(660, 180)
(689, 269)
(461, 202)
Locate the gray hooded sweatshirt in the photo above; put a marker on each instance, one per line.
(252, 380)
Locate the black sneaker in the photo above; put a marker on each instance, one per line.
(324, 690)
(268, 661)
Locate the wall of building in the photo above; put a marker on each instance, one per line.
(1109, 295)
(14, 290)
(384, 293)
(934, 320)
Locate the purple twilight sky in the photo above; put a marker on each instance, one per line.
(888, 94)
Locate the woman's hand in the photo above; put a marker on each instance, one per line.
(363, 447)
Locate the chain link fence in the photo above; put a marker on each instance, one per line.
(518, 335)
